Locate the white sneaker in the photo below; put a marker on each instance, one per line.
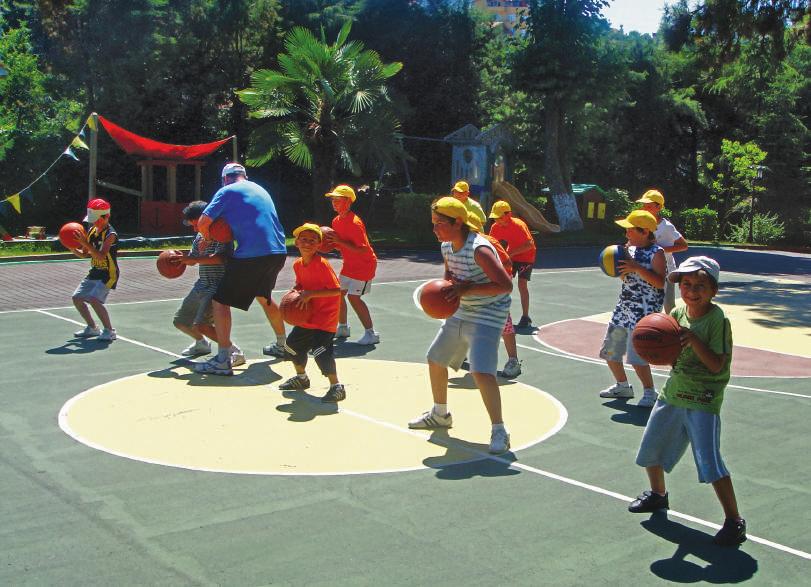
(512, 368)
(237, 356)
(215, 366)
(273, 350)
(499, 441)
(87, 332)
(198, 347)
(342, 332)
(108, 335)
(431, 420)
(649, 397)
(618, 390)
(368, 338)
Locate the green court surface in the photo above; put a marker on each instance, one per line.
(122, 467)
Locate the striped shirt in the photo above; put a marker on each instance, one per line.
(210, 275)
(486, 310)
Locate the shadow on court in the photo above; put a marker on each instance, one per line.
(258, 373)
(477, 464)
(776, 305)
(723, 565)
(79, 346)
(629, 413)
(304, 407)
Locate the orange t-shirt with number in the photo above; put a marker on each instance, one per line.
(516, 233)
(318, 274)
(357, 265)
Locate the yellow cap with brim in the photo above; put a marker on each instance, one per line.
(308, 226)
(453, 208)
(638, 219)
(342, 191)
(499, 209)
(461, 187)
(652, 197)
(474, 222)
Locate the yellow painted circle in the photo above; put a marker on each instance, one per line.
(244, 424)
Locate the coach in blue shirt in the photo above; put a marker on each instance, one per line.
(259, 255)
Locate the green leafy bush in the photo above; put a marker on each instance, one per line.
(766, 229)
(699, 223)
(617, 204)
(412, 215)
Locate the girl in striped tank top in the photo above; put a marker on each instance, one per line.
(483, 288)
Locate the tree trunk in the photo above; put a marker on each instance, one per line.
(324, 164)
(556, 175)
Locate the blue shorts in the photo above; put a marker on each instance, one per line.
(92, 288)
(616, 344)
(458, 338)
(668, 432)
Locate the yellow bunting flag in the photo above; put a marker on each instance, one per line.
(15, 202)
(91, 123)
(79, 143)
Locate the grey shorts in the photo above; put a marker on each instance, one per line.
(458, 338)
(670, 296)
(195, 308)
(668, 432)
(617, 343)
(92, 288)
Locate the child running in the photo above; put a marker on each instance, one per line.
(195, 315)
(360, 263)
(521, 248)
(101, 246)
(643, 276)
(512, 368)
(483, 288)
(689, 407)
(317, 284)
(667, 237)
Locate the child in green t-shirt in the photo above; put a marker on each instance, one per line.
(688, 408)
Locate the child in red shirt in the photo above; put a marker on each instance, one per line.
(520, 247)
(317, 284)
(360, 263)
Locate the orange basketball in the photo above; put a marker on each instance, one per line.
(291, 313)
(169, 264)
(326, 246)
(656, 339)
(433, 302)
(220, 231)
(66, 235)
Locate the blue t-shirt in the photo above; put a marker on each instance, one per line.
(250, 212)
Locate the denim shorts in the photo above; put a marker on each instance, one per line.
(196, 308)
(92, 288)
(458, 338)
(671, 429)
(617, 344)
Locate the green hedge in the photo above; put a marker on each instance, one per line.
(412, 215)
(699, 223)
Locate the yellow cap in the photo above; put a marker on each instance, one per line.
(308, 226)
(499, 208)
(342, 191)
(652, 197)
(450, 206)
(474, 222)
(461, 186)
(638, 219)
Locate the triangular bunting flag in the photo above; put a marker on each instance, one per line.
(69, 152)
(81, 133)
(91, 123)
(78, 143)
(15, 202)
(27, 194)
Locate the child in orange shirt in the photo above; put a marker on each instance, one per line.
(360, 263)
(317, 284)
(520, 247)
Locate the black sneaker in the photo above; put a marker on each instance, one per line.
(524, 322)
(295, 383)
(732, 533)
(649, 502)
(335, 393)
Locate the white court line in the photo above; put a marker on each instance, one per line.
(516, 464)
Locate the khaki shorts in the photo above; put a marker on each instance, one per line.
(92, 288)
(196, 308)
(617, 344)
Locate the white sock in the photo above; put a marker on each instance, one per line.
(302, 376)
(499, 426)
(623, 384)
(344, 325)
(441, 409)
(650, 389)
(370, 330)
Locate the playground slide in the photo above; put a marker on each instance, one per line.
(529, 213)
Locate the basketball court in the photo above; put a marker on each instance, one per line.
(123, 466)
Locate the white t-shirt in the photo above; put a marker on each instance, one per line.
(666, 236)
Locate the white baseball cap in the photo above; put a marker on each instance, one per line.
(693, 264)
(234, 169)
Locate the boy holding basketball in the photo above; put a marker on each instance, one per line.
(195, 315)
(521, 248)
(318, 286)
(642, 293)
(483, 288)
(688, 408)
(360, 262)
(100, 244)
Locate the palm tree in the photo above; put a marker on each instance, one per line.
(326, 107)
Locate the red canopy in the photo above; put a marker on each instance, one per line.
(134, 144)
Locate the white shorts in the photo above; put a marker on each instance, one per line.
(92, 288)
(458, 338)
(355, 287)
(617, 344)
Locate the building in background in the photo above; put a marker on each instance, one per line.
(503, 13)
